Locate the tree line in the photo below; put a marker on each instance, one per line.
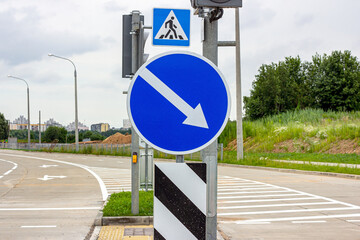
(328, 82)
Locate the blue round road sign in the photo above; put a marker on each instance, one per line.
(178, 102)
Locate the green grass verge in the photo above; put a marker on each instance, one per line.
(266, 160)
(119, 204)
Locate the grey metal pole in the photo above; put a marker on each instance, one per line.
(39, 127)
(239, 129)
(76, 104)
(180, 159)
(146, 166)
(134, 137)
(135, 176)
(209, 154)
(28, 105)
(76, 113)
(221, 151)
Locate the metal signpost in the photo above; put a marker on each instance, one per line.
(179, 103)
(133, 57)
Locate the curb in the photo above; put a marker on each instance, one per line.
(328, 174)
(128, 220)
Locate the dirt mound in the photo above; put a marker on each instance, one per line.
(231, 146)
(301, 146)
(118, 138)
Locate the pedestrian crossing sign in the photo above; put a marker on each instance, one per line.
(171, 27)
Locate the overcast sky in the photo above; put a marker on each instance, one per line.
(89, 32)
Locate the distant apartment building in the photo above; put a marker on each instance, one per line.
(81, 126)
(52, 122)
(100, 127)
(33, 127)
(21, 123)
(20, 120)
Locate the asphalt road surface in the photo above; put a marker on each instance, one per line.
(57, 196)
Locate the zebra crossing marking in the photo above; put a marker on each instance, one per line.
(231, 200)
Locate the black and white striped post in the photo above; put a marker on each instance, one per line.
(180, 201)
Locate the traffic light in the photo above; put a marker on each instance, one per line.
(133, 24)
(216, 3)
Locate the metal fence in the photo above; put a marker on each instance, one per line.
(99, 149)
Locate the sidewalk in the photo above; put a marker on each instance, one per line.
(123, 232)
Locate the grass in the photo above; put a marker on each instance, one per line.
(307, 131)
(119, 204)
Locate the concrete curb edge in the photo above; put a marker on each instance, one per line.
(328, 174)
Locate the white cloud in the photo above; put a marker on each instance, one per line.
(89, 32)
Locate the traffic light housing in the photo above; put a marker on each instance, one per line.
(128, 31)
(216, 3)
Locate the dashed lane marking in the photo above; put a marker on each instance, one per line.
(40, 226)
(9, 171)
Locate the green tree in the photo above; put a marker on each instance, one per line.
(52, 133)
(4, 127)
(277, 88)
(336, 81)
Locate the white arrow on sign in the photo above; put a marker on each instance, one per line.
(47, 177)
(195, 116)
(47, 166)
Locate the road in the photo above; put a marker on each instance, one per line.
(57, 196)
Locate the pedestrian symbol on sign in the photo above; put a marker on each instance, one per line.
(171, 27)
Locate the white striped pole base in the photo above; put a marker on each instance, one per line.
(180, 201)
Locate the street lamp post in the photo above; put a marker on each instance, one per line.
(28, 106)
(76, 107)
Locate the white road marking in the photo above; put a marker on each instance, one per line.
(101, 183)
(8, 172)
(43, 226)
(115, 180)
(267, 200)
(319, 221)
(12, 169)
(294, 218)
(276, 205)
(308, 194)
(47, 177)
(50, 209)
(355, 220)
(235, 197)
(226, 193)
(47, 166)
(289, 211)
(239, 186)
(246, 189)
(260, 196)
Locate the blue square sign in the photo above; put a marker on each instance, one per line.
(171, 27)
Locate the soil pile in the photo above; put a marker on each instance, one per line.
(118, 138)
